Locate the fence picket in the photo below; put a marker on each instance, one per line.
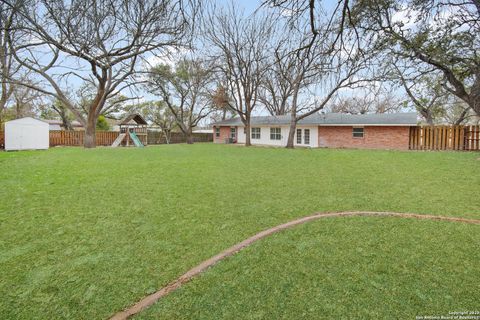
(475, 137)
(445, 138)
(419, 133)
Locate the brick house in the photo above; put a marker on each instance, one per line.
(332, 130)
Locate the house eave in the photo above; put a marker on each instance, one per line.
(324, 125)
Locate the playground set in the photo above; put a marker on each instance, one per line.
(133, 132)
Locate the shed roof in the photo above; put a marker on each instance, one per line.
(28, 120)
(333, 119)
(133, 117)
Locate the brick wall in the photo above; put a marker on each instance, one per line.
(224, 134)
(380, 137)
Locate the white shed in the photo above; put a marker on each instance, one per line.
(26, 134)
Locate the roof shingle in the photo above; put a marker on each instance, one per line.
(333, 119)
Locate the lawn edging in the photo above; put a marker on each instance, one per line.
(190, 274)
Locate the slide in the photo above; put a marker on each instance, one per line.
(135, 139)
(119, 140)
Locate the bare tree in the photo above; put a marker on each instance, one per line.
(327, 65)
(292, 73)
(8, 68)
(440, 35)
(24, 101)
(185, 91)
(373, 98)
(339, 20)
(98, 43)
(331, 50)
(332, 79)
(278, 81)
(240, 46)
(289, 71)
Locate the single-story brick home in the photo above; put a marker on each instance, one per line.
(331, 130)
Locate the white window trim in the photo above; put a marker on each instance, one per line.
(277, 134)
(259, 133)
(305, 136)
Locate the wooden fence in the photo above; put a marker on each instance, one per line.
(106, 138)
(445, 138)
(75, 138)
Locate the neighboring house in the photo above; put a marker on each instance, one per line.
(332, 130)
(77, 126)
(202, 130)
(58, 125)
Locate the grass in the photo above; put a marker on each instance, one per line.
(85, 233)
(355, 268)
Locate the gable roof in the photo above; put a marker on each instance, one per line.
(133, 117)
(333, 119)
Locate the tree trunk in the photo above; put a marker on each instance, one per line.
(474, 102)
(429, 119)
(293, 120)
(462, 117)
(66, 122)
(90, 141)
(427, 115)
(3, 104)
(247, 133)
(291, 132)
(167, 136)
(18, 111)
(93, 113)
(189, 136)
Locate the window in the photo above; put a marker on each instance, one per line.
(233, 132)
(306, 136)
(275, 134)
(217, 132)
(358, 132)
(299, 136)
(255, 133)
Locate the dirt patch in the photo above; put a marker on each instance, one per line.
(154, 297)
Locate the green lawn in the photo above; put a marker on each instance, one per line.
(85, 233)
(355, 268)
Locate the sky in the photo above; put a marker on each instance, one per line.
(249, 5)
